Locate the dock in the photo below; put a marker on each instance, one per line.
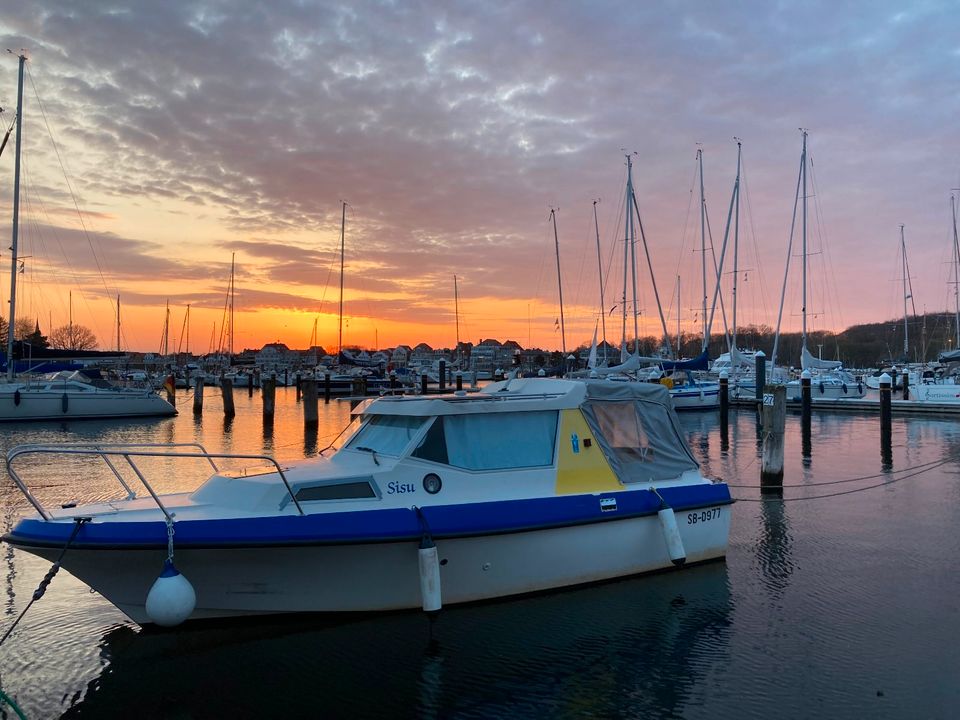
(865, 405)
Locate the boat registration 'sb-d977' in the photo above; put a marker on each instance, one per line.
(533, 484)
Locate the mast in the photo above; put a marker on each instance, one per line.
(956, 270)
(188, 328)
(803, 169)
(736, 245)
(632, 238)
(118, 323)
(343, 225)
(456, 315)
(678, 316)
(556, 243)
(703, 250)
(653, 278)
(16, 223)
(626, 255)
(906, 296)
(233, 258)
(603, 315)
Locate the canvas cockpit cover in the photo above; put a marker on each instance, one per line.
(638, 430)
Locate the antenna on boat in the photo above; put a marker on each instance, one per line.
(456, 315)
(16, 220)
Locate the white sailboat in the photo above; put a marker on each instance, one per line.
(829, 380)
(63, 395)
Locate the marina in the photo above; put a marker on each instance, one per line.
(805, 590)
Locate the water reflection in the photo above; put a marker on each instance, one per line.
(638, 646)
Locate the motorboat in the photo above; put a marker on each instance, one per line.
(72, 395)
(530, 485)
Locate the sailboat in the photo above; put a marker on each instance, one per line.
(66, 395)
(828, 378)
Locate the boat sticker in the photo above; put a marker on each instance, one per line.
(575, 443)
(398, 488)
(608, 504)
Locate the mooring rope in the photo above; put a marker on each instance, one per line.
(892, 481)
(42, 587)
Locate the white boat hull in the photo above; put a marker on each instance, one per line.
(49, 405)
(706, 398)
(385, 576)
(937, 393)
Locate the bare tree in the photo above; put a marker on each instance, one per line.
(73, 337)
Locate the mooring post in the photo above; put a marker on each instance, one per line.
(886, 427)
(286, 377)
(774, 425)
(473, 379)
(198, 396)
(443, 375)
(296, 382)
(459, 380)
(326, 388)
(805, 411)
(269, 393)
(724, 401)
(393, 381)
(760, 374)
(226, 391)
(251, 379)
(423, 384)
(310, 413)
(906, 384)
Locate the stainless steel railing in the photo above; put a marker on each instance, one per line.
(128, 452)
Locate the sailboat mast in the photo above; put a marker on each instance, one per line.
(703, 250)
(956, 270)
(343, 225)
(233, 258)
(736, 246)
(678, 316)
(603, 315)
(16, 223)
(906, 326)
(632, 235)
(626, 255)
(803, 166)
(456, 315)
(118, 323)
(556, 243)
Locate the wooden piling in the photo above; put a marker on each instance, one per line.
(423, 384)
(459, 380)
(311, 415)
(443, 376)
(226, 391)
(326, 388)
(724, 401)
(906, 384)
(269, 394)
(286, 377)
(760, 374)
(886, 425)
(297, 381)
(251, 378)
(806, 403)
(198, 396)
(774, 425)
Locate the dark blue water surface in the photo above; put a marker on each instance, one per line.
(837, 607)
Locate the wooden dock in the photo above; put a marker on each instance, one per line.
(865, 405)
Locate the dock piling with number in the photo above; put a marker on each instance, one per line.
(774, 426)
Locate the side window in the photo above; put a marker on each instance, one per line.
(623, 430)
(433, 447)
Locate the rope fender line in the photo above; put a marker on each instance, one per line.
(45, 582)
(927, 465)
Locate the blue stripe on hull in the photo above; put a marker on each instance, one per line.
(366, 526)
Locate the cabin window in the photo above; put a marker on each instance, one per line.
(386, 434)
(494, 441)
(337, 491)
(620, 424)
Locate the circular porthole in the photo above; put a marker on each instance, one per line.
(432, 483)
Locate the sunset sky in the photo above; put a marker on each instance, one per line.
(187, 131)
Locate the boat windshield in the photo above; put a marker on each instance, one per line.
(386, 434)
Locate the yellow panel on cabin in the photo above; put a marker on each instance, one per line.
(581, 467)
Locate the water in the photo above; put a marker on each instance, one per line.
(840, 607)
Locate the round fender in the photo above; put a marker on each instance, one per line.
(844, 386)
(16, 398)
(64, 402)
(822, 389)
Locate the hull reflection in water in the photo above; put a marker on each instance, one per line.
(636, 647)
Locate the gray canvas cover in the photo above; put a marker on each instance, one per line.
(950, 356)
(638, 430)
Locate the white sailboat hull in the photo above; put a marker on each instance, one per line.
(385, 576)
(51, 405)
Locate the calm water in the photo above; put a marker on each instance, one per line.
(840, 607)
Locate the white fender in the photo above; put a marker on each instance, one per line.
(671, 534)
(172, 598)
(430, 578)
